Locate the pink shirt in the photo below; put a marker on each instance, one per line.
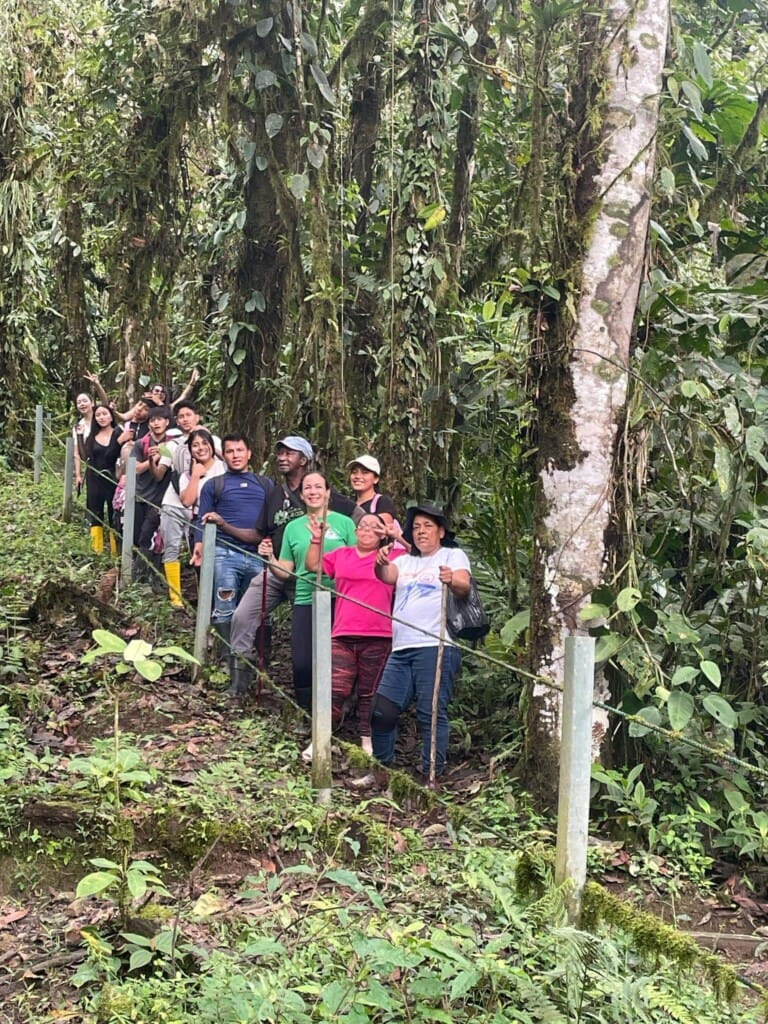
(354, 576)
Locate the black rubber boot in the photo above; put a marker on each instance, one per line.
(222, 630)
(240, 677)
(303, 697)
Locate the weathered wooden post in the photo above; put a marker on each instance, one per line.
(204, 597)
(69, 479)
(575, 770)
(321, 695)
(129, 519)
(37, 460)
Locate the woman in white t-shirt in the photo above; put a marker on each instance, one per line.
(205, 465)
(435, 561)
(80, 432)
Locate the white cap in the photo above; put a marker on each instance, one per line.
(367, 462)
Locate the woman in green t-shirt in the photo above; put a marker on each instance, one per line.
(339, 532)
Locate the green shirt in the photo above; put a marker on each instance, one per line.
(339, 533)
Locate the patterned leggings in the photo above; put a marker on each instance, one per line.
(361, 660)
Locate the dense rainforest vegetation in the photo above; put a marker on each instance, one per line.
(517, 249)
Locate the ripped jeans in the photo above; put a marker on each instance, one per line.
(233, 571)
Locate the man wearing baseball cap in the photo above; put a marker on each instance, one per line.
(294, 457)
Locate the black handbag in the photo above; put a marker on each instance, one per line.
(465, 617)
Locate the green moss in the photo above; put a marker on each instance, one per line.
(619, 230)
(534, 872)
(601, 307)
(156, 912)
(654, 939)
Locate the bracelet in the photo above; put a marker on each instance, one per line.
(314, 542)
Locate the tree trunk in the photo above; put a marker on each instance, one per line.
(583, 362)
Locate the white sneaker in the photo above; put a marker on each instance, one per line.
(367, 781)
(367, 744)
(306, 754)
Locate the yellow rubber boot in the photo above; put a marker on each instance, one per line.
(173, 575)
(97, 540)
(112, 544)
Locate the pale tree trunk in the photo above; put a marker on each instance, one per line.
(584, 364)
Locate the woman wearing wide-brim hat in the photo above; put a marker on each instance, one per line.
(435, 561)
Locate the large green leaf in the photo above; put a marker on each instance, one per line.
(95, 882)
(720, 710)
(137, 650)
(151, 670)
(322, 82)
(712, 671)
(680, 708)
(109, 641)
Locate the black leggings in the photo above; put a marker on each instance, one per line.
(99, 492)
(301, 653)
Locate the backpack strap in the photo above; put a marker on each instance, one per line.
(218, 486)
(375, 502)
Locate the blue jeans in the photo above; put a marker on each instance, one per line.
(410, 675)
(233, 571)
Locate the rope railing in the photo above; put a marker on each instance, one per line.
(718, 754)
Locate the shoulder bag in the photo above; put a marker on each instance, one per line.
(465, 617)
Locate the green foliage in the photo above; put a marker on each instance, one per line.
(496, 957)
(138, 878)
(137, 655)
(112, 777)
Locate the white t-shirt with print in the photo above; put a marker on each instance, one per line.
(418, 597)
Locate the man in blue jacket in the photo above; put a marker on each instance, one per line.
(235, 502)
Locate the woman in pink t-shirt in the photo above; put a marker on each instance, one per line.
(361, 637)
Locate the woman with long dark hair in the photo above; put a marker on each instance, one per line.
(102, 450)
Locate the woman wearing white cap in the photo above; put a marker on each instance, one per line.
(364, 474)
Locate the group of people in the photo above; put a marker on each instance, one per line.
(174, 453)
(276, 539)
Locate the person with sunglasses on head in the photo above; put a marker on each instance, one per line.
(294, 457)
(361, 635)
(154, 455)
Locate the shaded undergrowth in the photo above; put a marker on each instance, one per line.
(178, 869)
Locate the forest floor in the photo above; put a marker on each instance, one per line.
(220, 805)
